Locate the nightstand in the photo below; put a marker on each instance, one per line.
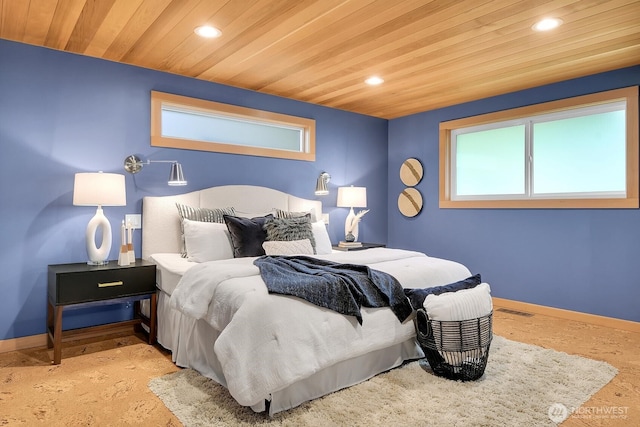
(78, 285)
(359, 248)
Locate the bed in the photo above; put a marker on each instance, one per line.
(273, 352)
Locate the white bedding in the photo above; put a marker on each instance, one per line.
(268, 342)
(197, 344)
(170, 269)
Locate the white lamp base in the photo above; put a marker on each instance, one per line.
(347, 226)
(98, 256)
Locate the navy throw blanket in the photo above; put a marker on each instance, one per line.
(339, 287)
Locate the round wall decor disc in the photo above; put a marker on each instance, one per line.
(410, 202)
(411, 172)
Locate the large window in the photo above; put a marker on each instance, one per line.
(576, 153)
(196, 124)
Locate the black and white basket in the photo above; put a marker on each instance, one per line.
(457, 350)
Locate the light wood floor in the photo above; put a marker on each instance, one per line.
(103, 381)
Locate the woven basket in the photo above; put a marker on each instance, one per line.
(457, 350)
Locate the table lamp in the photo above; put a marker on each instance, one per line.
(99, 189)
(350, 197)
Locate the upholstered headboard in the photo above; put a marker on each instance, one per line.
(161, 222)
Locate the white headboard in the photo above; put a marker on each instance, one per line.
(161, 222)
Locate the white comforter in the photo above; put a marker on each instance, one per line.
(268, 342)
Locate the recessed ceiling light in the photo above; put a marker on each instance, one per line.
(547, 24)
(374, 80)
(208, 31)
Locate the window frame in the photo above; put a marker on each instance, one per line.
(631, 200)
(233, 112)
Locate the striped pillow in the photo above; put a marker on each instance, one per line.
(202, 215)
(288, 214)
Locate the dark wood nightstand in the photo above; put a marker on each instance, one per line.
(359, 248)
(81, 284)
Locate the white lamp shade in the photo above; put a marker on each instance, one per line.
(99, 189)
(352, 197)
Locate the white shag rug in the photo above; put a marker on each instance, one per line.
(523, 385)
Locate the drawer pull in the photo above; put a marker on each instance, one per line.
(108, 284)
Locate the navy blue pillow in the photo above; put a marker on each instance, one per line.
(417, 296)
(247, 235)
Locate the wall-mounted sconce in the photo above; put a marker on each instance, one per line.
(321, 184)
(133, 164)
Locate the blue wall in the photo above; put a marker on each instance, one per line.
(62, 113)
(583, 260)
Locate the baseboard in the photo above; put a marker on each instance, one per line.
(23, 343)
(34, 341)
(593, 319)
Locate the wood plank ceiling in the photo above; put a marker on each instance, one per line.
(431, 54)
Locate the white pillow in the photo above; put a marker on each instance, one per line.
(323, 242)
(461, 305)
(288, 247)
(207, 241)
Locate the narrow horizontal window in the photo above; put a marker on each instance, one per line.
(182, 122)
(576, 153)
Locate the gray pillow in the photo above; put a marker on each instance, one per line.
(202, 215)
(289, 229)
